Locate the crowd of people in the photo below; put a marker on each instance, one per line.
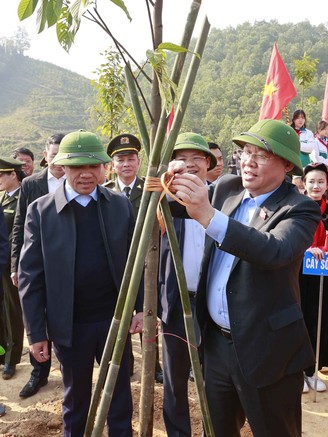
(65, 233)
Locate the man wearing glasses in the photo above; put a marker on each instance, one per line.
(193, 150)
(255, 341)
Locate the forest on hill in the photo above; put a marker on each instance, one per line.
(38, 98)
(228, 92)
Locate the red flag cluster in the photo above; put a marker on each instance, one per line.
(279, 89)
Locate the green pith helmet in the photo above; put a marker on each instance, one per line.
(276, 137)
(81, 148)
(190, 140)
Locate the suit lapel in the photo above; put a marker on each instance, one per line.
(42, 182)
(11, 199)
(269, 207)
(137, 189)
(263, 215)
(229, 205)
(232, 202)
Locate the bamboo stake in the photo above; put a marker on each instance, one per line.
(138, 265)
(151, 263)
(158, 130)
(188, 318)
(176, 74)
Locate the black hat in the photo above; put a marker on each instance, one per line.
(315, 166)
(10, 164)
(123, 144)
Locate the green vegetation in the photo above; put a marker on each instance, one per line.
(38, 98)
(227, 95)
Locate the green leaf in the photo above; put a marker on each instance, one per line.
(175, 48)
(53, 11)
(65, 30)
(77, 9)
(41, 18)
(171, 47)
(26, 8)
(120, 3)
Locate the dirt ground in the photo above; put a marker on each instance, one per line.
(40, 415)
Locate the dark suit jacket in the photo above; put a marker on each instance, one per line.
(168, 288)
(32, 188)
(263, 295)
(267, 326)
(135, 195)
(46, 268)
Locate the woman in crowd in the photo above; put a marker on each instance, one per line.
(316, 184)
(320, 152)
(305, 135)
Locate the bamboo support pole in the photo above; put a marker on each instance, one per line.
(130, 283)
(188, 319)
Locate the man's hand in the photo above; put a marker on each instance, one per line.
(192, 190)
(14, 279)
(40, 351)
(176, 166)
(136, 323)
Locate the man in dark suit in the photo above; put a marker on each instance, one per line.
(255, 341)
(11, 176)
(124, 150)
(27, 157)
(214, 174)
(69, 288)
(33, 187)
(194, 151)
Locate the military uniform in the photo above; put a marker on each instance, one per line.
(12, 326)
(13, 312)
(135, 195)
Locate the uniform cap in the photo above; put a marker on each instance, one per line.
(10, 164)
(123, 144)
(276, 137)
(190, 140)
(81, 148)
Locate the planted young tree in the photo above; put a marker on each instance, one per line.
(112, 110)
(67, 16)
(305, 71)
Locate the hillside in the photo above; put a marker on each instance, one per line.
(39, 99)
(227, 95)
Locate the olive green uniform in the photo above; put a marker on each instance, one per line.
(13, 319)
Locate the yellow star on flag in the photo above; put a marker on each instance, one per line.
(269, 89)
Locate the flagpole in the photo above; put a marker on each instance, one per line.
(287, 114)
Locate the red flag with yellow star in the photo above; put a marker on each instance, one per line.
(279, 89)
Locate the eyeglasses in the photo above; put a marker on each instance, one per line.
(195, 159)
(256, 157)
